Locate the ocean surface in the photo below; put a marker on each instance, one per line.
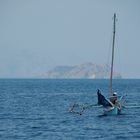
(39, 110)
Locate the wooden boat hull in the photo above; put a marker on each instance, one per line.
(112, 111)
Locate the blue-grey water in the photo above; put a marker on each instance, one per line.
(39, 110)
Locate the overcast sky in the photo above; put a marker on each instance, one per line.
(36, 35)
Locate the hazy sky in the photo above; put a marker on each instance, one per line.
(36, 35)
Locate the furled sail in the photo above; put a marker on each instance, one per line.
(102, 100)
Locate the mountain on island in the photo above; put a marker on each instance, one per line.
(83, 71)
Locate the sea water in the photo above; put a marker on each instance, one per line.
(39, 110)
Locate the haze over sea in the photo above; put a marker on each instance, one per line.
(37, 35)
(38, 110)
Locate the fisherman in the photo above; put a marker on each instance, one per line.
(115, 100)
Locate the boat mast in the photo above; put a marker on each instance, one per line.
(113, 43)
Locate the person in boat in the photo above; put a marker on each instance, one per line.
(115, 101)
(114, 98)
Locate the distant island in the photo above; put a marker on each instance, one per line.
(83, 71)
